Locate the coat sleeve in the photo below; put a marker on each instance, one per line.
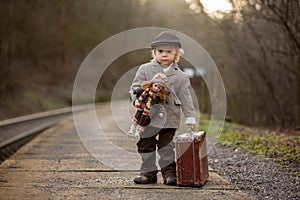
(185, 98)
(137, 81)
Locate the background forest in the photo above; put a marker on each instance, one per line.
(255, 44)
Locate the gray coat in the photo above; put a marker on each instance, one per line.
(178, 94)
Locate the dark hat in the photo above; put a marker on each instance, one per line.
(166, 38)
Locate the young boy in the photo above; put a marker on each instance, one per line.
(166, 53)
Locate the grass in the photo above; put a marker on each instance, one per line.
(282, 148)
(46, 102)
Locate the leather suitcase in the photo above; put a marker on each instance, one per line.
(191, 159)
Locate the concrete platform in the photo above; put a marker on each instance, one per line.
(62, 164)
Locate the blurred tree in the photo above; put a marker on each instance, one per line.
(255, 43)
(63, 37)
(261, 59)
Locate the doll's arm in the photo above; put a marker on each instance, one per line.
(137, 92)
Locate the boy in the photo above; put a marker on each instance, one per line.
(166, 53)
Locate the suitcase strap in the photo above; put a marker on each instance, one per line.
(191, 133)
(194, 163)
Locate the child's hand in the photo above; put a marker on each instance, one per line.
(190, 127)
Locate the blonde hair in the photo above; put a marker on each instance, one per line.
(179, 52)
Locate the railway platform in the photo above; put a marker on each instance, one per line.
(60, 163)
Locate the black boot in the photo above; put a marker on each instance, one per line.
(146, 178)
(169, 174)
(170, 180)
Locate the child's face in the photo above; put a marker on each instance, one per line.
(165, 55)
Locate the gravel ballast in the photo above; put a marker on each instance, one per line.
(261, 178)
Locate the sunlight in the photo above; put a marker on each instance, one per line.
(214, 6)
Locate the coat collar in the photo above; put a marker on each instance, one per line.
(170, 72)
(156, 66)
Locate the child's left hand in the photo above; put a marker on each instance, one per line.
(190, 127)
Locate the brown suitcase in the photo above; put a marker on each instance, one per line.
(191, 159)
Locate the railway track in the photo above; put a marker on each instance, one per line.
(16, 132)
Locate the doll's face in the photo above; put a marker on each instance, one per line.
(155, 87)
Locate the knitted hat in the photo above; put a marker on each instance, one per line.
(160, 78)
(166, 38)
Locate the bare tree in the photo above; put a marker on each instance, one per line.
(262, 56)
(63, 39)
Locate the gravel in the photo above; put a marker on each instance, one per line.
(261, 178)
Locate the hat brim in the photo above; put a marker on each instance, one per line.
(175, 44)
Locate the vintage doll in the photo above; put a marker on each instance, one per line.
(150, 93)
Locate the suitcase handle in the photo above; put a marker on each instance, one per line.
(190, 132)
(189, 136)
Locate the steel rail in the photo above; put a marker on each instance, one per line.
(47, 119)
